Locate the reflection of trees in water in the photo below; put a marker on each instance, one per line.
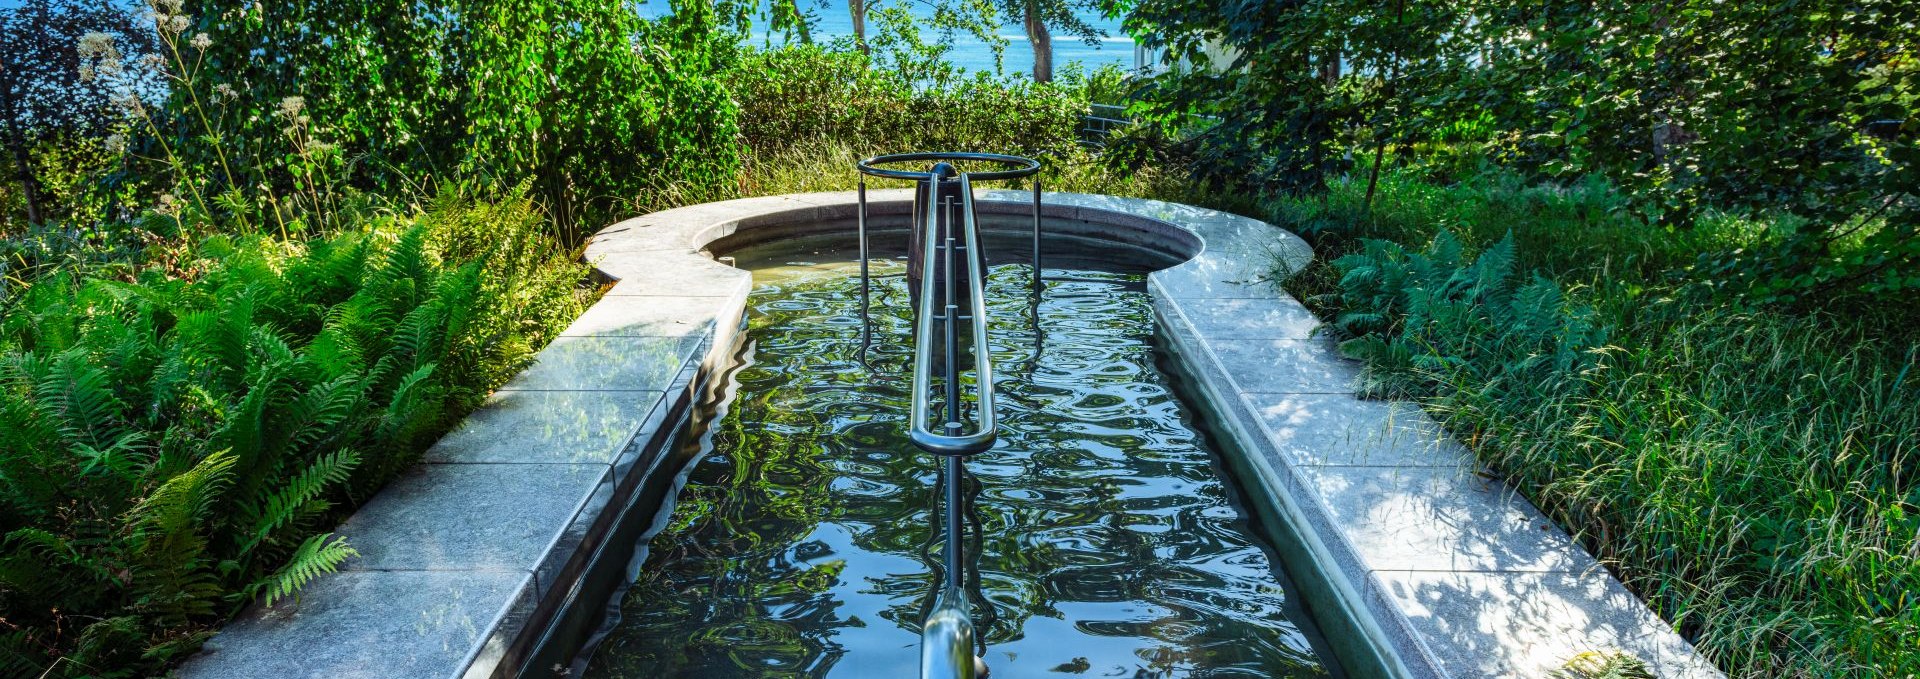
(1099, 512)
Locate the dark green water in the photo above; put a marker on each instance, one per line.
(803, 543)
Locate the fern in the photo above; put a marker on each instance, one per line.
(320, 554)
(166, 443)
(168, 545)
(20, 656)
(298, 496)
(1418, 317)
(78, 394)
(318, 415)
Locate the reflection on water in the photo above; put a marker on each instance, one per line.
(804, 544)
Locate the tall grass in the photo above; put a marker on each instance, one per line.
(1752, 476)
(1750, 473)
(829, 166)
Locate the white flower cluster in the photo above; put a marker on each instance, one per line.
(95, 44)
(126, 100)
(167, 16)
(99, 57)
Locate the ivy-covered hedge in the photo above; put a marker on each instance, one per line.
(175, 444)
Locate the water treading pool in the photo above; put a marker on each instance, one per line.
(805, 541)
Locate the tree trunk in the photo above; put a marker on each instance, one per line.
(1379, 130)
(1042, 43)
(23, 166)
(858, 8)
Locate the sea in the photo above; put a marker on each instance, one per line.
(832, 21)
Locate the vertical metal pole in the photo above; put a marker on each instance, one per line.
(1036, 238)
(952, 326)
(952, 345)
(954, 467)
(866, 280)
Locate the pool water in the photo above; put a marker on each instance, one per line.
(804, 541)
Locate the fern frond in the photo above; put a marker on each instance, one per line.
(320, 554)
(80, 395)
(1493, 272)
(287, 503)
(21, 655)
(313, 416)
(175, 506)
(411, 407)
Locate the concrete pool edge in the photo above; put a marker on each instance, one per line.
(467, 559)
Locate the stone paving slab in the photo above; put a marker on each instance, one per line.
(548, 426)
(472, 516)
(605, 364)
(1342, 429)
(370, 625)
(672, 275)
(673, 316)
(1221, 275)
(1287, 366)
(1250, 318)
(1493, 624)
(1437, 519)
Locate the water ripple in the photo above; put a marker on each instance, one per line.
(803, 545)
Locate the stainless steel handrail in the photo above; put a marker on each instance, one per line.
(947, 636)
(946, 640)
(1018, 166)
(950, 441)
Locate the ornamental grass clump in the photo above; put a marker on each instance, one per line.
(1751, 475)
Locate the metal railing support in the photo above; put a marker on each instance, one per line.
(946, 640)
(866, 276)
(938, 249)
(1036, 240)
(947, 243)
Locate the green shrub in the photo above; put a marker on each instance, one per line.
(1809, 108)
(1576, 232)
(808, 95)
(175, 445)
(272, 109)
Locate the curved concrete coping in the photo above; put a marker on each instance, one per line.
(1412, 564)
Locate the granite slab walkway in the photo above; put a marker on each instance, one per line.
(1416, 558)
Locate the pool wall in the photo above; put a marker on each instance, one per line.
(1411, 561)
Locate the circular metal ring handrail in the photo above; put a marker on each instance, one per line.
(1022, 167)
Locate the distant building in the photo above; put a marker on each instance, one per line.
(1153, 60)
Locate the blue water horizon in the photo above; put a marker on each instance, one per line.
(833, 22)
